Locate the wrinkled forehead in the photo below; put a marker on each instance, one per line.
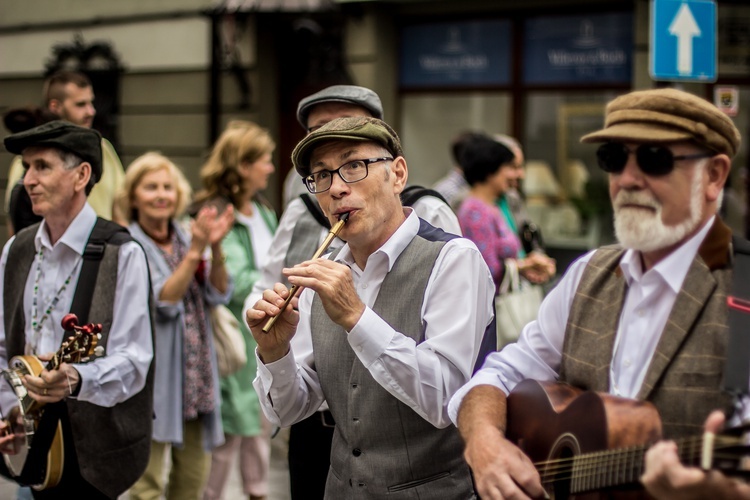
(48, 153)
(331, 154)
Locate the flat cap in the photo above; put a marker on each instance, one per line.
(355, 128)
(84, 142)
(351, 94)
(667, 115)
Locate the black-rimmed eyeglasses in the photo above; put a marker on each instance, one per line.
(652, 159)
(353, 171)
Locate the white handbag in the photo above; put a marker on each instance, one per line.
(229, 344)
(516, 305)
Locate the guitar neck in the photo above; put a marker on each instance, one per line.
(622, 467)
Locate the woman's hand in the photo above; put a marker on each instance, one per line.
(221, 225)
(537, 267)
(210, 226)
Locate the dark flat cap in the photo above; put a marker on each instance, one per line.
(667, 115)
(356, 128)
(84, 142)
(351, 94)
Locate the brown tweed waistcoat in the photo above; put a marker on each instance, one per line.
(684, 376)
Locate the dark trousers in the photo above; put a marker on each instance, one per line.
(310, 455)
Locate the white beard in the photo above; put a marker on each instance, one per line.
(643, 230)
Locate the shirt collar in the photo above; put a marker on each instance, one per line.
(392, 248)
(75, 236)
(673, 268)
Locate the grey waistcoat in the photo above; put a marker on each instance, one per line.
(685, 374)
(305, 240)
(112, 444)
(381, 447)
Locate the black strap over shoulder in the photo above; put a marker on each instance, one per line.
(104, 232)
(737, 371)
(411, 194)
(314, 208)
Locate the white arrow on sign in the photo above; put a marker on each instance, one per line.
(684, 28)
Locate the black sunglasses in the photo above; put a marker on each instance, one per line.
(652, 159)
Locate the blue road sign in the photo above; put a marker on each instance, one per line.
(683, 40)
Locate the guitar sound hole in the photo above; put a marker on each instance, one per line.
(561, 484)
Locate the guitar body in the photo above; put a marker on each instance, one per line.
(552, 422)
(31, 412)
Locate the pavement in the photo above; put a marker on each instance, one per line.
(278, 476)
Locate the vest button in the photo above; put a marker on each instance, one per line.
(356, 452)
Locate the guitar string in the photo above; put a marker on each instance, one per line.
(558, 469)
(597, 460)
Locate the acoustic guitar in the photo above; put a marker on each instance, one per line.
(77, 347)
(592, 445)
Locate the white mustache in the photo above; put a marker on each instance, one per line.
(641, 198)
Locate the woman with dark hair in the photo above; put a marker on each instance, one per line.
(490, 171)
(235, 173)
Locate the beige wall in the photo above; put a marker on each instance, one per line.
(164, 88)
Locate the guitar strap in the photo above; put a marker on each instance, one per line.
(737, 372)
(104, 232)
(315, 210)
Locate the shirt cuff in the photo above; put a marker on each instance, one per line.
(89, 386)
(370, 337)
(280, 372)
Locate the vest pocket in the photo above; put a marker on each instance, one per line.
(417, 482)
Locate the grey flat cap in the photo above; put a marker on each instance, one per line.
(351, 94)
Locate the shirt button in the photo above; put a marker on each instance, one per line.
(356, 452)
(364, 285)
(283, 372)
(627, 362)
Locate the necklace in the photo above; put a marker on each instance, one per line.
(159, 241)
(36, 326)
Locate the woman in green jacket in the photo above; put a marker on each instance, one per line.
(237, 170)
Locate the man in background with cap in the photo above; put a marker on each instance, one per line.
(69, 96)
(302, 228)
(375, 331)
(630, 319)
(104, 404)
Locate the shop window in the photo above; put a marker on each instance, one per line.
(429, 122)
(567, 194)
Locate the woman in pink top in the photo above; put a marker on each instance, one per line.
(490, 171)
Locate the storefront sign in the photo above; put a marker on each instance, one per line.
(456, 54)
(578, 49)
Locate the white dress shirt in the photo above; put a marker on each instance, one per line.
(423, 376)
(649, 300)
(429, 208)
(121, 373)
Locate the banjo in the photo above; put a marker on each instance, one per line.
(77, 347)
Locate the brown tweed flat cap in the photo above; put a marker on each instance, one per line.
(667, 115)
(355, 128)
